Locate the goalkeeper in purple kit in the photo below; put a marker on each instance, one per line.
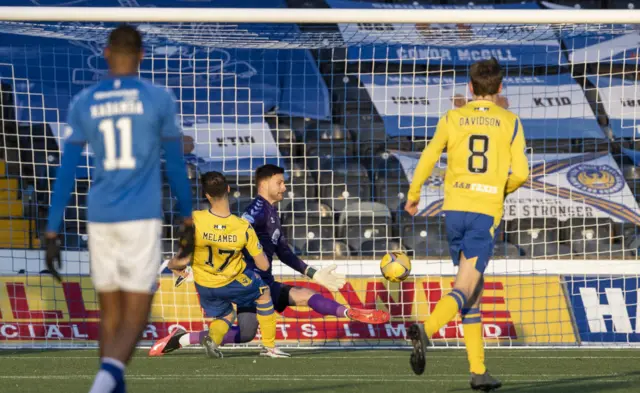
(264, 217)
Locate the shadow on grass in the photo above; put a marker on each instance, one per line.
(586, 384)
(44, 352)
(323, 388)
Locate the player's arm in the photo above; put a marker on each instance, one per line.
(326, 276)
(178, 264)
(177, 172)
(254, 248)
(519, 163)
(65, 181)
(428, 160)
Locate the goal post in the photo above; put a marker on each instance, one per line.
(345, 99)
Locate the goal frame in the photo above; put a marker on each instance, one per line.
(317, 16)
(559, 17)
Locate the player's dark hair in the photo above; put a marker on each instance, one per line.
(267, 171)
(486, 77)
(215, 185)
(125, 39)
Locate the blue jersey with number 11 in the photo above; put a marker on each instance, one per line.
(124, 120)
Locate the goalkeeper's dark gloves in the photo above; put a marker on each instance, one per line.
(187, 236)
(52, 255)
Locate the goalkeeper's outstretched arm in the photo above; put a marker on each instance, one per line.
(327, 277)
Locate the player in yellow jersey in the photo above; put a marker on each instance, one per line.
(220, 271)
(485, 162)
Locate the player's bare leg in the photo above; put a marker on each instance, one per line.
(110, 377)
(299, 296)
(448, 306)
(267, 320)
(109, 317)
(133, 320)
(127, 312)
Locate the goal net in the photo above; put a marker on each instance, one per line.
(346, 108)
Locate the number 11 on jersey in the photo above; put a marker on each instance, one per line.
(111, 160)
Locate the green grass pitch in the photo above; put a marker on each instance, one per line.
(361, 371)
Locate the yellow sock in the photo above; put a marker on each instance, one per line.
(445, 311)
(217, 329)
(267, 321)
(472, 326)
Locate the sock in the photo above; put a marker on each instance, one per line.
(217, 329)
(110, 378)
(267, 321)
(324, 306)
(445, 311)
(232, 336)
(472, 327)
(192, 338)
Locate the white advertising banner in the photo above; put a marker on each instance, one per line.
(561, 186)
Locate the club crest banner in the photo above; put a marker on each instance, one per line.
(560, 186)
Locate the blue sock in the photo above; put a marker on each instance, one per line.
(110, 378)
(116, 372)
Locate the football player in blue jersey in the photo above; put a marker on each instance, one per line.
(127, 122)
(263, 215)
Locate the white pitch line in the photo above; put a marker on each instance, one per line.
(373, 357)
(324, 378)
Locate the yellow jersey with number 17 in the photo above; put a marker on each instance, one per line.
(485, 158)
(218, 259)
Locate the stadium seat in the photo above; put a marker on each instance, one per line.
(379, 247)
(239, 204)
(342, 179)
(368, 131)
(420, 230)
(504, 250)
(301, 233)
(75, 235)
(534, 236)
(305, 211)
(304, 220)
(624, 4)
(362, 221)
(430, 247)
(302, 182)
(589, 235)
(241, 184)
(349, 97)
(391, 184)
(326, 247)
(324, 139)
(285, 137)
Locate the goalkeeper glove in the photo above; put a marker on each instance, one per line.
(183, 275)
(327, 277)
(54, 261)
(187, 236)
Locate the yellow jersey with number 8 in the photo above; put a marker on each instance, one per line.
(218, 259)
(486, 158)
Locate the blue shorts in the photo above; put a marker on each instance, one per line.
(472, 234)
(218, 302)
(279, 295)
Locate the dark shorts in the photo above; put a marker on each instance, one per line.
(472, 234)
(279, 296)
(218, 302)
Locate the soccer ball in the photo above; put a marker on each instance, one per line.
(395, 266)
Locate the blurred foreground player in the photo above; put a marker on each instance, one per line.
(264, 216)
(485, 162)
(220, 272)
(127, 122)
